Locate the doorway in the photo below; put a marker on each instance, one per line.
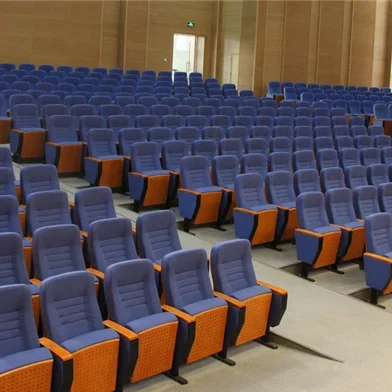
(188, 53)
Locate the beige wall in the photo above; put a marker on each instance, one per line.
(59, 32)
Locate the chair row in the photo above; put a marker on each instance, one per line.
(129, 347)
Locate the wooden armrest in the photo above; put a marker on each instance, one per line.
(245, 211)
(125, 157)
(311, 233)
(227, 190)
(84, 233)
(185, 316)
(157, 267)
(189, 191)
(56, 349)
(378, 257)
(229, 300)
(100, 275)
(341, 227)
(35, 281)
(272, 287)
(284, 208)
(124, 332)
(174, 172)
(71, 204)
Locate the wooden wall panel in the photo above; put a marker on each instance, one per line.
(346, 42)
(313, 41)
(296, 40)
(362, 42)
(247, 45)
(230, 37)
(110, 34)
(330, 42)
(261, 17)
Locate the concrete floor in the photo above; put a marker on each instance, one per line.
(320, 316)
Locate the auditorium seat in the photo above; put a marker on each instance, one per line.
(148, 182)
(280, 161)
(317, 242)
(199, 200)
(302, 143)
(304, 160)
(349, 157)
(86, 352)
(327, 158)
(207, 148)
(25, 365)
(382, 141)
(234, 281)
(343, 142)
(355, 176)
(261, 131)
(281, 144)
(27, 138)
(196, 307)
(280, 192)
(323, 143)
(231, 147)
(331, 178)
(377, 260)
(340, 210)
(370, 156)
(365, 201)
(307, 180)
(256, 145)
(62, 149)
(377, 174)
(254, 219)
(386, 155)
(254, 163)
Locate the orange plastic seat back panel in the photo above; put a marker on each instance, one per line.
(112, 173)
(33, 145)
(156, 350)
(36, 308)
(209, 208)
(32, 378)
(266, 225)
(22, 220)
(27, 252)
(256, 318)
(157, 190)
(292, 224)
(70, 160)
(357, 245)
(329, 250)
(5, 126)
(210, 331)
(95, 367)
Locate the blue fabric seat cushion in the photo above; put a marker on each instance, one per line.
(155, 172)
(265, 207)
(250, 292)
(24, 358)
(353, 225)
(34, 289)
(89, 339)
(207, 189)
(203, 305)
(290, 204)
(103, 157)
(389, 255)
(228, 186)
(326, 229)
(32, 129)
(152, 321)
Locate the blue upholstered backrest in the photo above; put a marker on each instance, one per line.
(172, 153)
(26, 116)
(145, 157)
(249, 190)
(231, 266)
(311, 211)
(340, 207)
(185, 277)
(93, 204)
(9, 218)
(307, 180)
(355, 176)
(385, 197)
(17, 329)
(62, 129)
(159, 135)
(225, 169)
(279, 187)
(195, 172)
(188, 134)
(7, 185)
(90, 122)
(327, 158)
(349, 157)
(157, 234)
(56, 250)
(69, 306)
(12, 264)
(5, 158)
(377, 174)
(365, 201)
(231, 147)
(127, 137)
(130, 291)
(331, 178)
(280, 161)
(47, 208)
(38, 178)
(304, 160)
(111, 241)
(256, 145)
(281, 144)
(101, 142)
(254, 163)
(378, 233)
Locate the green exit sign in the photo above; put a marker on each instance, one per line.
(191, 24)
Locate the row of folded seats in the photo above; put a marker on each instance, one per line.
(81, 352)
